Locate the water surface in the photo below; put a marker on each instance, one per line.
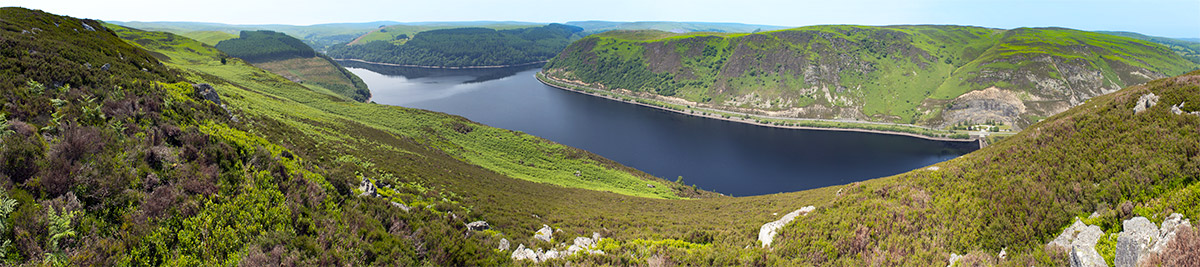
(728, 157)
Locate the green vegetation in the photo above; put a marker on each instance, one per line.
(398, 34)
(466, 47)
(319, 36)
(260, 46)
(317, 72)
(1187, 49)
(670, 26)
(209, 37)
(117, 166)
(900, 74)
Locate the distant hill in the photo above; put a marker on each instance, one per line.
(1189, 49)
(465, 47)
(924, 75)
(209, 37)
(291, 58)
(398, 34)
(594, 26)
(319, 36)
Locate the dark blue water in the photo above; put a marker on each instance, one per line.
(732, 158)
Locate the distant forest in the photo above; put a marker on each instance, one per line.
(261, 46)
(463, 47)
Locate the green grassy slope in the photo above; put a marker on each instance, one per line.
(903, 74)
(1189, 49)
(209, 37)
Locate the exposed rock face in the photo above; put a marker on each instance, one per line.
(1086, 257)
(544, 234)
(766, 234)
(1135, 241)
(503, 244)
(991, 104)
(207, 92)
(478, 226)
(1080, 240)
(1145, 102)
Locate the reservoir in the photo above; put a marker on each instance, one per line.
(728, 157)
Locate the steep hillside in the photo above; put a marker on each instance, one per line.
(465, 47)
(924, 75)
(291, 58)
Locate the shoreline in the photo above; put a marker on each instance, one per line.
(756, 123)
(442, 67)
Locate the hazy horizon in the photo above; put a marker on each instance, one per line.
(1168, 18)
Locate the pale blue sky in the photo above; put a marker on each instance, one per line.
(1171, 18)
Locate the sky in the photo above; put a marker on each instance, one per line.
(1170, 18)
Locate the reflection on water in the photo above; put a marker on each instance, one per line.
(727, 157)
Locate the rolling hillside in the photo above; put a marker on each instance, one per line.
(595, 26)
(937, 76)
(1189, 49)
(136, 163)
(291, 58)
(464, 47)
(319, 36)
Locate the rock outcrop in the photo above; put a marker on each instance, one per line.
(1080, 241)
(1145, 102)
(367, 188)
(1135, 241)
(478, 226)
(544, 234)
(579, 245)
(207, 92)
(766, 234)
(1141, 238)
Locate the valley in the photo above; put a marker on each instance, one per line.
(126, 146)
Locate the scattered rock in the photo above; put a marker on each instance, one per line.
(207, 92)
(578, 173)
(650, 185)
(1145, 102)
(1175, 109)
(1135, 241)
(1003, 253)
(766, 234)
(953, 258)
(106, 66)
(367, 188)
(401, 206)
(87, 27)
(544, 234)
(478, 226)
(522, 253)
(503, 244)
(87, 65)
(933, 168)
(596, 237)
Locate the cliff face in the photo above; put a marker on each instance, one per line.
(927, 75)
